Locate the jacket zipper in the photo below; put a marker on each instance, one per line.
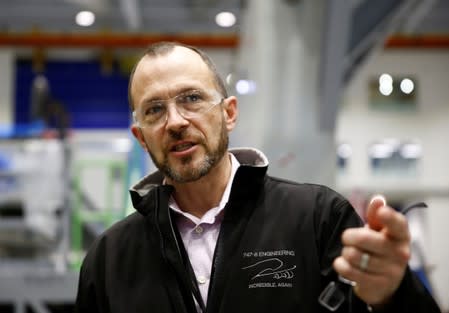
(194, 288)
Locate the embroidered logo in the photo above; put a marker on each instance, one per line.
(268, 269)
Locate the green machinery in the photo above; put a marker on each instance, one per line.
(86, 217)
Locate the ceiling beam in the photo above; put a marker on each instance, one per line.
(418, 42)
(110, 40)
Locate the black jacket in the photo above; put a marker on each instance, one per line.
(275, 250)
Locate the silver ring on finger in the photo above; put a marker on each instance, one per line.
(364, 260)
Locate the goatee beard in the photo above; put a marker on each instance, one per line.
(194, 173)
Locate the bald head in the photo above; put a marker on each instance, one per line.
(165, 48)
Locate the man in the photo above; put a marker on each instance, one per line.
(215, 233)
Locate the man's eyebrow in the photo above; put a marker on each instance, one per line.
(187, 89)
(177, 93)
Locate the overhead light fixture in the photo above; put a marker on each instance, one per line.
(225, 19)
(229, 79)
(344, 151)
(407, 86)
(411, 151)
(85, 18)
(385, 84)
(381, 151)
(386, 89)
(385, 79)
(245, 87)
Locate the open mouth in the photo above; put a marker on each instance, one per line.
(182, 147)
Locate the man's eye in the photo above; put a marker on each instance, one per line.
(153, 109)
(192, 97)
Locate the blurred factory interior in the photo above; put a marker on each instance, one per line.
(350, 94)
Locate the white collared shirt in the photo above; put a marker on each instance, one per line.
(200, 235)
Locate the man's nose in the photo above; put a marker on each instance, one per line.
(174, 118)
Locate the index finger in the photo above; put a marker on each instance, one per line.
(372, 219)
(394, 223)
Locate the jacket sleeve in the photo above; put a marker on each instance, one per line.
(411, 295)
(85, 299)
(91, 295)
(333, 215)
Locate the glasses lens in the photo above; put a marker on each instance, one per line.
(189, 104)
(194, 103)
(151, 112)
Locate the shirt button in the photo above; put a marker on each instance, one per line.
(201, 280)
(199, 229)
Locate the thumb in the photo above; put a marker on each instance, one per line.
(371, 213)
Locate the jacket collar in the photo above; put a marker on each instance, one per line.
(249, 176)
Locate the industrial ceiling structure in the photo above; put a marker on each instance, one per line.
(354, 28)
(153, 16)
(170, 16)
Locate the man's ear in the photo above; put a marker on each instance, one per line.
(231, 112)
(137, 132)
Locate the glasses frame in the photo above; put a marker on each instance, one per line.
(214, 94)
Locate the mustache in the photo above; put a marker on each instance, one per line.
(177, 135)
(174, 136)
